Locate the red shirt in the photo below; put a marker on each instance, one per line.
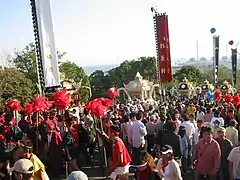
(119, 148)
(208, 156)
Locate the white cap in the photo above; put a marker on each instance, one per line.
(77, 175)
(23, 166)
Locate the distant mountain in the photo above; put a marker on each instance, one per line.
(90, 69)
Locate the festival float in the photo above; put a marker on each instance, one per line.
(139, 88)
(72, 87)
(227, 88)
(198, 90)
(185, 88)
(206, 86)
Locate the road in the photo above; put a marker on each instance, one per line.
(97, 172)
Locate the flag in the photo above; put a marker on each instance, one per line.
(164, 69)
(47, 44)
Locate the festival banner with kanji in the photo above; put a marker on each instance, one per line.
(47, 44)
(163, 49)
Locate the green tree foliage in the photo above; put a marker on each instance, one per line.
(25, 62)
(191, 73)
(197, 76)
(15, 85)
(72, 71)
(100, 83)
(128, 69)
(223, 74)
(117, 77)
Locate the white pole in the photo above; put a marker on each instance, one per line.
(197, 49)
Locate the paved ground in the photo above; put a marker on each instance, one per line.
(97, 172)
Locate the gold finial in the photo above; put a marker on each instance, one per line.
(206, 82)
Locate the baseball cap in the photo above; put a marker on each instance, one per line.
(77, 175)
(167, 149)
(23, 166)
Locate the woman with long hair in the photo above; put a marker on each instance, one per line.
(149, 171)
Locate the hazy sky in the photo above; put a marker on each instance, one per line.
(94, 32)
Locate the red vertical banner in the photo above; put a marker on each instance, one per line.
(163, 49)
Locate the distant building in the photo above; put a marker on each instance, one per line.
(203, 63)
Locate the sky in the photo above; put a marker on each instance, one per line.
(99, 32)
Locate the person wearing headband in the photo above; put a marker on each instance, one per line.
(120, 160)
(168, 168)
(39, 172)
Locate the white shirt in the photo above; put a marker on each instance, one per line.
(190, 129)
(172, 170)
(137, 133)
(200, 116)
(196, 136)
(124, 130)
(178, 122)
(129, 125)
(49, 137)
(220, 119)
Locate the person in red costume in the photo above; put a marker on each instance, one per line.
(2, 114)
(53, 148)
(120, 160)
(53, 116)
(70, 139)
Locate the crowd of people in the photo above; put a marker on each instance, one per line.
(152, 140)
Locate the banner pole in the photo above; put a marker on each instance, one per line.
(157, 75)
(39, 67)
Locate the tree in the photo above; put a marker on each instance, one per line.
(25, 61)
(15, 85)
(224, 74)
(72, 71)
(191, 73)
(117, 77)
(100, 83)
